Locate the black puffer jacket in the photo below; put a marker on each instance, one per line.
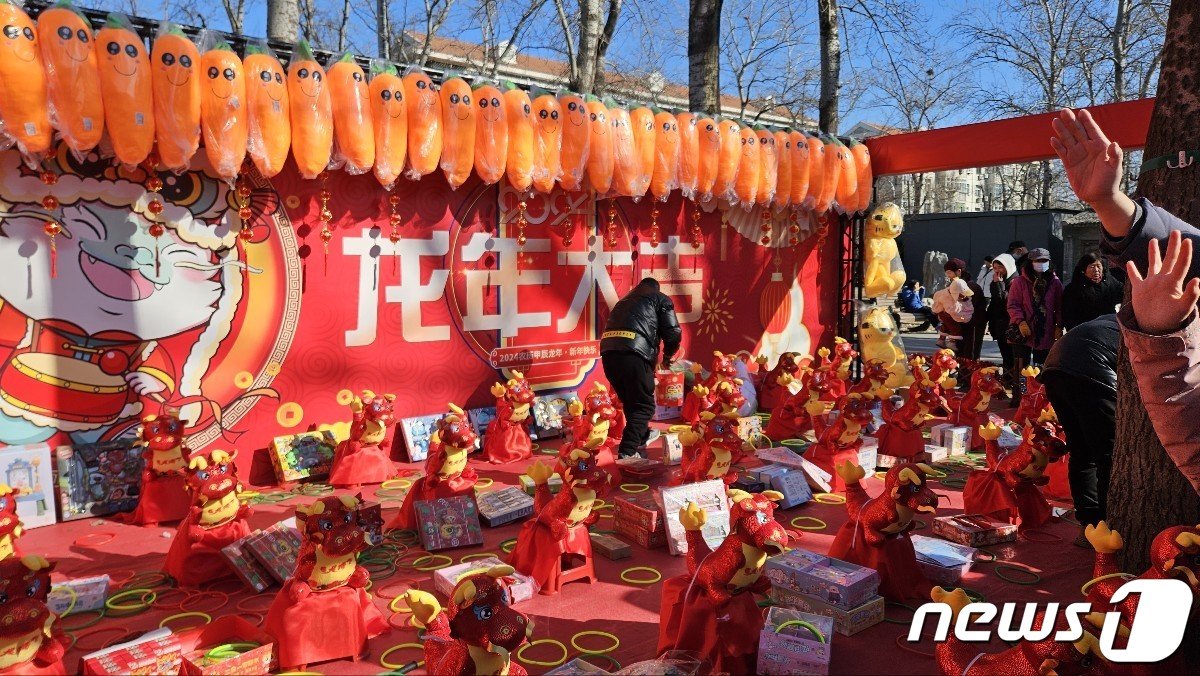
(639, 321)
(1088, 351)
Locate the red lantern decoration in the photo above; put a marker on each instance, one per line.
(775, 303)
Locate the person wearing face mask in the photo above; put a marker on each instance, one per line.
(1035, 309)
(1093, 292)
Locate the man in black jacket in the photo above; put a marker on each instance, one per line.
(629, 351)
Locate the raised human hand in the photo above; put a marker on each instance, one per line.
(1091, 160)
(1165, 297)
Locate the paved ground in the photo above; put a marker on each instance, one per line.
(926, 342)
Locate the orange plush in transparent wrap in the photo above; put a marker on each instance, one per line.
(125, 86)
(269, 111)
(816, 172)
(223, 118)
(518, 111)
(863, 175)
(800, 167)
(425, 138)
(353, 130)
(666, 156)
(24, 102)
(458, 119)
(177, 80)
(491, 134)
(689, 153)
(641, 121)
(72, 77)
(783, 187)
(768, 163)
(576, 141)
(626, 168)
(389, 114)
(832, 178)
(600, 154)
(728, 161)
(749, 169)
(847, 190)
(311, 112)
(708, 138)
(547, 142)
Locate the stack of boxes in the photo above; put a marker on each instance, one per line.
(817, 584)
(955, 439)
(974, 530)
(638, 520)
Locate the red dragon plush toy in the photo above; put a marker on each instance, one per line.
(507, 436)
(324, 611)
(795, 417)
(715, 443)
(32, 641)
(702, 398)
(839, 362)
(941, 364)
(711, 610)
(217, 518)
(1034, 400)
(594, 419)
(876, 536)
(556, 539)
(365, 457)
(971, 410)
(10, 524)
(1174, 553)
(875, 376)
(842, 440)
(477, 632)
(1007, 489)
(900, 435)
(164, 494)
(446, 471)
(771, 384)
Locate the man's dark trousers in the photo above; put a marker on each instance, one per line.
(1088, 415)
(632, 377)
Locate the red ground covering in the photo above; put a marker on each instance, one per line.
(628, 611)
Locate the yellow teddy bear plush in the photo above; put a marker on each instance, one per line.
(883, 272)
(879, 339)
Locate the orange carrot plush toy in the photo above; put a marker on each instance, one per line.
(689, 151)
(547, 142)
(24, 103)
(269, 110)
(311, 112)
(847, 189)
(783, 187)
(600, 148)
(728, 161)
(176, 80)
(641, 121)
(816, 172)
(389, 114)
(666, 156)
(709, 152)
(749, 171)
(353, 130)
(800, 167)
(491, 134)
(518, 110)
(72, 77)
(626, 167)
(576, 141)
(768, 166)
(833, 175)
(458, 119)
(863, 175)
(223, 118)
(424, 124)
(124, 68)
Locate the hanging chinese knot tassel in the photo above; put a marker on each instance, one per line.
(51, 226)
(521, 223)
(325, 216)
(394, 235)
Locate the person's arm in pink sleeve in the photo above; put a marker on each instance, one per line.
(1016, 295)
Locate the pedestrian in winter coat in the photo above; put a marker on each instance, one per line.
(1093, 292)
(1035, 305)
(1004, 270)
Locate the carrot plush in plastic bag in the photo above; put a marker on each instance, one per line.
(783, 187)
(389, 114)
(72, 77)
(576, 141)
(600, 153)
(518, 111)
(768, 163)
(626, 168)
(223, 117)
(833, 175)
(547, 142)
(124, 68)
(425, 139)
(641, 121)
(847, 190)
(816, 172)
(24, 103)
(666, 156)
(311, 112)
(863, 175)
(353, 131)
(708, 136)
(176, 79)
(458, 118)
(269, 110)
(491, 134)
(800, 167)
(689, 153)
(728, 161)
(749, 169)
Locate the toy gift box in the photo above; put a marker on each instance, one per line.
(98, 479)
(668, 388)
(198, 643)
(78, 594)
(708, 495)
(548, 414)
(520, 587)
(943, 562)
(480, 418)
(785, 648)
(671, 448)
(834, 581)
(749, 428)
(506, 505)
(846, 622)
(664, 413)
(956, 439)
(974, 530)
(818, 478)
(868, 454)
(246, 567)
(416, 432)
(639, 509)
(530, 488)
(29, 471)
(156, 652)
(307, 455)
(578, 667)
(276, 548)
(447, 523)
(640, 536)
(794, 486)
(611, 548)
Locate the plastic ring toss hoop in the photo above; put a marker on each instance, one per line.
(602, 634)
(541, 663)
(804, 624)
(819, 524)
(625, 577)
(402, 646)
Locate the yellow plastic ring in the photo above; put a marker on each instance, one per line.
(603, 634)
(148, 597)
(395, 607)
(476, 556)
(830, 498)
(935, 473)
(180, 616)
(625, 575)
(812, 519)
(802, 623)
(635, 488)
(1090, 583)
(676, 429)
(535, 446)
(419, 562)
(397, 483)
(248, 494)
(881, 475)
(74, 597)
(479, 482)
(400, 646)
(539, 663)
(508, 545)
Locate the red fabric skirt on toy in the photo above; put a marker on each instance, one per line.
(985, 493)
(539, 554)
(193, 563)
(772, 395)
(165, 497)
(837, 390)
(423, 490)
(726, 635)
(1060, 485)
(898, 442)
(693, 406)
(784, 426)
(900, 577)
(355, 463)
(325, 625)
(827, 458)
(507, 441)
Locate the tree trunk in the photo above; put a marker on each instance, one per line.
(1119, 49)
(283, 20)
(831, 64)
(589, 39)
(1147, 492)
(383, 29)
(704, 56)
